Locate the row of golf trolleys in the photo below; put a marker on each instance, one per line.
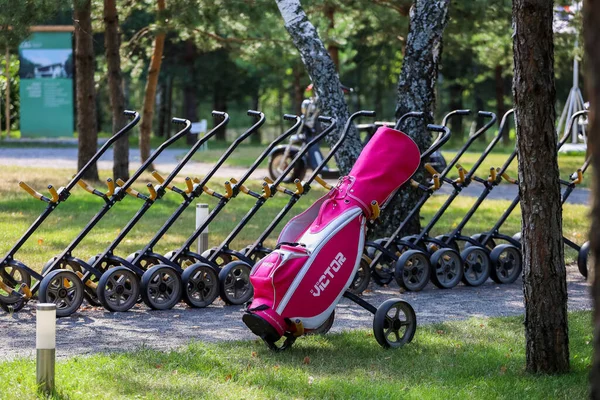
(161, 281)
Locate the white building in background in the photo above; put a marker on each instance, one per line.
(51, 71)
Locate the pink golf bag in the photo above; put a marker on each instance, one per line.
(297, 286)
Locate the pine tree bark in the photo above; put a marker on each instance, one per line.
(7, 97)
(544, 275)
(591, 19)
(86, 92)
(151, 83)
(416, 92)
(112, 46)
(323, 74)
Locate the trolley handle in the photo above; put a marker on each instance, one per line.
(375, 210)
(577, 177)
(133, 192)
(170, 186)
(53, 193)
(507, 178)
(242, 188)
(90, 189)
(279, 188)
(493, 177)
(322, 182)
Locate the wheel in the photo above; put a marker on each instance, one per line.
(256, 256)
(91, 296)
(383, 272)
(583, 259)
(63, 288)
(161, 287)
(234, 283)
(478, 237)
(476, 262)
(278, 164)
(324, 327)
(395, 323)
(14, 276)
(433, 247)
(362, 277)
(221, 259)
(118, 289)
(184, 261)
(447, 268)
(412, 270)
(506, 263)
(200, 285)
(61, 265)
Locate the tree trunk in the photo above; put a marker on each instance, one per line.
(7, 99)
(323, 74)
(162, 109)
(456, 103)
(591, 19)
(544, 275)
(416, 92)
(86, 92)
(112, 45)
(151, 83)
(332, 46)
(500, 106)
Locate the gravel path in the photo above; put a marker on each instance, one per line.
(94, 330)
(67, 158)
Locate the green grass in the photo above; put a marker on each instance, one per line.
(18, 210)
(477, 359)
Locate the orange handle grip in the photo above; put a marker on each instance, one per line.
(189, 185)
(161, 180)
(267, 190)
(111, 187)
(53, 193)
(196, 180)
(436, 182)
(508, 178)
(242, 188)
(322, 182)
(86, 186)
(414, 183)
(129, 191)
(228, 190)
(208, 190)
(579, 178)
(375, 210)
(461, 176)
(299, 187)
(493, 175)
(268, 180)
(430, 169)
(152, 191)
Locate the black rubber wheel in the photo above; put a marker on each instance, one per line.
(15, 306)
(583, 259)
(91, 296)
(118, 289)
(478, 237)
(161, 287)
(447, 268)
(324, 327)
(362, 277)
(63, 288)
(383, 272)
(477, 266)
(412, 270)
(220, 260)
(394, 324)
(234, 283)
(256, 256)
(275, 169)
(13, 276)
(200, 285)
(183, 262)
(507, 263)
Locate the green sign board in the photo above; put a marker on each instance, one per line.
(46, 90)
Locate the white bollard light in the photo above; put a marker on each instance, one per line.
(201, 216)
(45, 344)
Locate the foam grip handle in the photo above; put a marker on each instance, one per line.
(299, 187)
(208, 190)
(158, 177)
(493, 175)
(152, 191)
(436, 182)
(290, 117)
(269, 180)
(129, 113)
(254, 113)
(111, 187)
(579, 178)
(53, 193)
(323, 118)
(367, 113)
(375, 209)
(181, 121)
(267, 190)
(508, 178)
(228, 190)
(461, 175)
(486, 114)
(196, 180)
(216, 113)
(189, 185)
(242, 188)
(86, 186)
(129, 191)
(463, 112)
(414, 183)
(430, 169)
(322, 182)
